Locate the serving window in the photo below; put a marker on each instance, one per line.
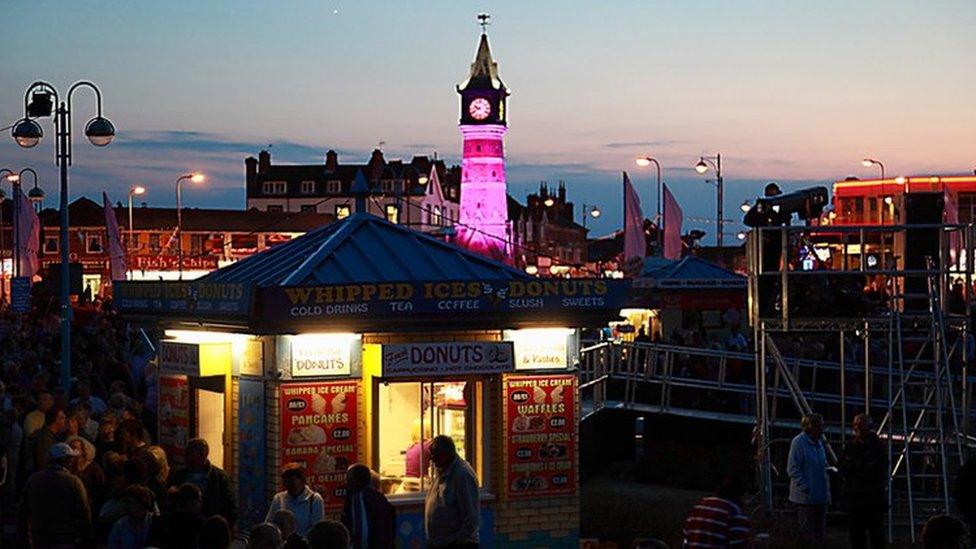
(410, 414)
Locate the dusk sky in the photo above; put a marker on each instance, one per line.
(795, 92)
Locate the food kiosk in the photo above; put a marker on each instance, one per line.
(362, 340)
(691, 293)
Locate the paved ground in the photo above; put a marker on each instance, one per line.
(620, 510)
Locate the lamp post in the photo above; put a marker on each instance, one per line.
(647, 161)
(18, 184)
(867, 163)
(39, 102)
(703, 165)
(7, 175)
(193, 178)
(590, 210)
(133, 190)
(36, 194)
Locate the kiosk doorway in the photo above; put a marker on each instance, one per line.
(207, 414)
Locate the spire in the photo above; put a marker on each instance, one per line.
(359, 191)
(484, 70)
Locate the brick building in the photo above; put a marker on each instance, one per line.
(423, 193)
(546, 232)
(211, 238)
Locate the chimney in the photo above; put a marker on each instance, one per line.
(377, 156)
(250, 170)
(264, 161)
(376, 163)
(331, 161)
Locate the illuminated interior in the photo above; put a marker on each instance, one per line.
(407, 409)
(210, 422)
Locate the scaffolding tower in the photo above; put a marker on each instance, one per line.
(900, 342)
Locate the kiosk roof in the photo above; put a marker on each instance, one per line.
(362, 248)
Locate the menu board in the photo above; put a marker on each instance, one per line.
(540, 427)
(174, 416)
(318, 431)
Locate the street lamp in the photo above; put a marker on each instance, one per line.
(590, 211)
(36, 197)
(16, 179)
(195, 177)
(867, 163)
(745, 207)
(549, 201)
(36, 194)
(645, 161)
(39, 102)
(133, 191)
(7, 175)
(715, 162)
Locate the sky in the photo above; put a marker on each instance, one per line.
(793, 92)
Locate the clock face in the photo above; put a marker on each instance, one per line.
(479, 109)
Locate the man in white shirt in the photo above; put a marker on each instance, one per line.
(305, 504)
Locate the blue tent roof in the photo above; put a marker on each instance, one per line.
(689, 272)
(361, 249)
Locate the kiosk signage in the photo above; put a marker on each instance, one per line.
(319, 432)
(541, 441)
(419, 359)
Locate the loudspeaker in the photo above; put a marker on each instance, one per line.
(921, 208)
(74, 278)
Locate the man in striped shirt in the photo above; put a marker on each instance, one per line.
(719, 521)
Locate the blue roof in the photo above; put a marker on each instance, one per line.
(688, 272)
(362, 248)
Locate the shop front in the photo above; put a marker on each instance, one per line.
(366, 362)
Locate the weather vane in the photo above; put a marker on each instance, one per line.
(483, 20)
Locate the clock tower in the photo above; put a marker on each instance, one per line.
(484, 226)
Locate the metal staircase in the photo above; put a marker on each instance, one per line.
(922, 424)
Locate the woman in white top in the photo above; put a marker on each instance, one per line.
(305, 504)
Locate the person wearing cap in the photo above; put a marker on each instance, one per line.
(54, 510)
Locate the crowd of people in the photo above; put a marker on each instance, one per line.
(80, 469)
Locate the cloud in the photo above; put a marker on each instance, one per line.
(633, 144)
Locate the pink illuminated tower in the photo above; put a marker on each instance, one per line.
(484, 226)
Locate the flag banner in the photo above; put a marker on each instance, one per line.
(171, 241)
(27, 233)
(116, 253)
(635, 244)
(673, 217)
